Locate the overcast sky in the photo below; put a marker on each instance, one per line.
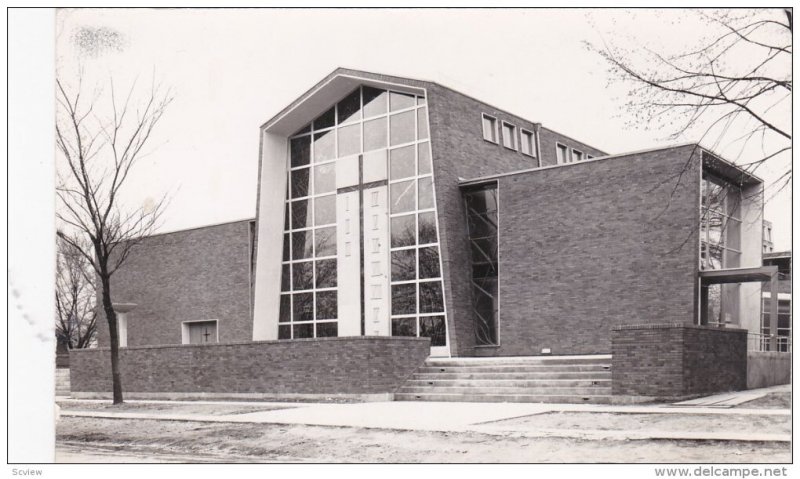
(231, 70)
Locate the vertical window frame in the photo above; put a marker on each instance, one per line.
(523, 133)
(565, 158)
(496, 132)
(512, 136)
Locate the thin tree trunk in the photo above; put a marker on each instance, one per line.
(111, 316)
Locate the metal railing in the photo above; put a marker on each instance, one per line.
(763, 342)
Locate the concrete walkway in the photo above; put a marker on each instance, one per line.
(727, 400)
(452, 417)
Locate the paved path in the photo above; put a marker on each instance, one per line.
(451, 417)
(727, 400)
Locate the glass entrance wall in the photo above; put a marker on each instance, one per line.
(308, 306)
(720, 248)
(365, 121)
(417, 294)
(784, 329)
(482, 215)
(720, 224)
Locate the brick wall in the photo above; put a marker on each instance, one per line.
(588, 246)
(673, 361)
(358, 365)
(549, 138)
(460, 152)
(196, 274)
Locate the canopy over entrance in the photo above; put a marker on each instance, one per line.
(738, 275)
(759, 274)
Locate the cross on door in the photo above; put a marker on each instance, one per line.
(206, 334)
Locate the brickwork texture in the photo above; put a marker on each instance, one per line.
(190, 275)
(583, 248)
(359, 365)
(460, 152)
(676, 361)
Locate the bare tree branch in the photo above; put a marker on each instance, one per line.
(98, 157)
(735, 87)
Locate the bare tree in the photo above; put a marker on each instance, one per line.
(99, 153)
(76, 316)
(736, 86)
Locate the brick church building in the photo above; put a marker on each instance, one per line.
(403, 226)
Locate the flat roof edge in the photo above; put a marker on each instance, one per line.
(466, 182)
(472, 181)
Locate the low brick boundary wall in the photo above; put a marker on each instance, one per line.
(766, 369)
(326, 366)
(62, 360)
(676, 361)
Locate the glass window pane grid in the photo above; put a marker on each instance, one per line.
(714, 206)
(362, 117)
(418, 104)
(417, 281)
(482, 204)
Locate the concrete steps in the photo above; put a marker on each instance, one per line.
(559, 379)
(62, 382)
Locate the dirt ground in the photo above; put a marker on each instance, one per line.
(169, 441)
(655, 422)
(778, 400)
(169, 408)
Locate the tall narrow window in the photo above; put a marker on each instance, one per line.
(489, 128)
(561, 154)
(720, 229)
(526, 142)
(509, 136)
(482, 215)
(577, 155)
(720, 224)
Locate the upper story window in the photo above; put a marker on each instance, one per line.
(509, 136)
(589, 157)
(526, 142)
(562, 154)
(720, 224)
(577, 155)
(489, 128)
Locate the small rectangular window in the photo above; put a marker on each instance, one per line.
(577, 155)
(509, 136)
(526, 142)
(199, 332)
(561, 154)
(489, 128)
(589, 157)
